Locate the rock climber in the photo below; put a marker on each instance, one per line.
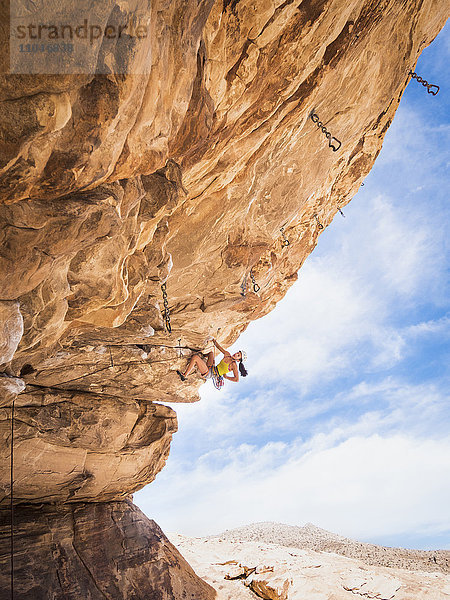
(208, 370)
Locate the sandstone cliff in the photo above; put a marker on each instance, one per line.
(190, 169)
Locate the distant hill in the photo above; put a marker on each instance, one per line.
(310, 537)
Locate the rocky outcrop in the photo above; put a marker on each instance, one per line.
(314, 538)
(193, 169)
(9, 388)
(186, 158)
(245, 569)
(74, 447)
(95, 551)
(11, 332)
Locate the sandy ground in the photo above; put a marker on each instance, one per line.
(286, 573)
(310, 537)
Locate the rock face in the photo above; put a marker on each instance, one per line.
(193, 169)
(234, 127)
(92, 446)
(95, 551)
(11, 332)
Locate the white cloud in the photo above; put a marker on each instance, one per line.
(362, 487)
(330, 426)
(367, 475)
(342, 309)
(438, 326)
(410, 145)
(386, 406)
(367, 460)
(402, 246)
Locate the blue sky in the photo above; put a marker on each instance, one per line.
(344, 418)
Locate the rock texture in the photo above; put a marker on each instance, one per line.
(182, 170)
(192, 169)
(95, 551)
(72, 447)
(11, 330)
(248, 569)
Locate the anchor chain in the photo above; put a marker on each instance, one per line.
(425, 83)
(256, 287)
(318, 222)
(166, 313)
(332, 141)
(244, 286)
(286, 242)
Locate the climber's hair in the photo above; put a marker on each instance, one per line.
(242, 369)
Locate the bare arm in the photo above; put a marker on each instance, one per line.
(219, 347)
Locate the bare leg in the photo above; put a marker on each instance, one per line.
(198, 362)
(210, 359)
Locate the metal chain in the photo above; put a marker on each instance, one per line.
(256, 287)
(166, 313)
(286, 242)
(331, 139)
(244, 286)
(318, 222)
(425, 83)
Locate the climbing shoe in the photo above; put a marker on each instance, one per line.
(145, 347)
(182, 377)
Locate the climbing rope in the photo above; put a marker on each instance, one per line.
(166, 313)
(332, 141)
(341, 212)
(425, 83)
(124, 364)
(110, 356)
(86, 375)
(256, 287)
(139, 345)
(286, 242)
(178, 347)
(318, 222)
(12, 499)
(217, 379)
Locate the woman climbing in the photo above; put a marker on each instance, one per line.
(229, 362)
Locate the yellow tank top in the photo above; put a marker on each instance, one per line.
(222, 367)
